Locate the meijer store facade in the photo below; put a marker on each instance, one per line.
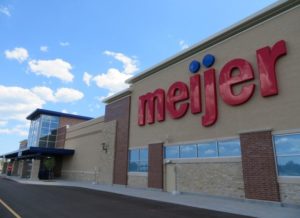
(221, 118)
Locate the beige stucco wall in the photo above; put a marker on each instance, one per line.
(279, 112)
(90, 162)
(138, 180)
(214, 176)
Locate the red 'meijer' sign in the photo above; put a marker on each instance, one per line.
(153, 105)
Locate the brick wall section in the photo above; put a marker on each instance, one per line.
(120, 111)
(259, 170)
(155, 171)
(63, 121)
(61, 137)
(61, 131)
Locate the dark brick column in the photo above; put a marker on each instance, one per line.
(120, 111)
(155, 171)
(259, 170)
(61, 137)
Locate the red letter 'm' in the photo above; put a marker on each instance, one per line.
(150, 98)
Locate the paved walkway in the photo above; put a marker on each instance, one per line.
(243, 207)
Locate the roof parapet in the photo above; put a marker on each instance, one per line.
(250, 21)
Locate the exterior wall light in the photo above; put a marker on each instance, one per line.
(104, 147)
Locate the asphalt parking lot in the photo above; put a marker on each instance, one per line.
(56, 201)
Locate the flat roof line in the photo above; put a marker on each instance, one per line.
(39, 111)
(117, 96)
(252, 20)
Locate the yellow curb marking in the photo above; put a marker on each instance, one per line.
(9, 209)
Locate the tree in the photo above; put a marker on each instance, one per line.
(49, 163)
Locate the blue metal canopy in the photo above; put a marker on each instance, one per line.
(39, 111)
(37, 151)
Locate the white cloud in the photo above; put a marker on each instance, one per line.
(183, 45)
(3, 123)
(64, 44)
(67, 112)
(87, 78)
(114, 80)
(129, 64)
(65, 95)
(17, 103)
(52, 68)
(68, 95)
(19, 54)
(44, 93)
(44, 48)
(5, 11)
(21, 130)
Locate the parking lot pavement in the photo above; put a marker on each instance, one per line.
(246, 207)
(55, 201)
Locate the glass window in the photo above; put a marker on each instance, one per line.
(143, 166)
(229, 148)
(52, 138)
(46, 118)
(41, 129)
(44, 138)
(33, 132)
(45, 131)
(45, 124)
(172, 152)
(134, 154)
(138, 160)
(133, 166)
(208, 149)
(144, 154)
(288, 166)
(43, 144)
(53, 126)
(287, 149)
(188, 151)
(287, 144)
(50, 144)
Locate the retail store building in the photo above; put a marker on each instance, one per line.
(221, 118)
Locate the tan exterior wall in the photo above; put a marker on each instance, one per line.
(289, 190)
(257, 113)
(278, 113)
(214, 176)
(138, 180)
(90, 162)
(35, 169)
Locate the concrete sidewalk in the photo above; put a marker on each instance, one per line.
(243, 207)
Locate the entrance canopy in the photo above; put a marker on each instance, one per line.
(38, 151)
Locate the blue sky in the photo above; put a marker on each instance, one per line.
(68, 55)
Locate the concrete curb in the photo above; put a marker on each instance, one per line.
(235, 206)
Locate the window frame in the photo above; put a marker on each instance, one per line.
(285, 133)
(139, 161)
(199, 143)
